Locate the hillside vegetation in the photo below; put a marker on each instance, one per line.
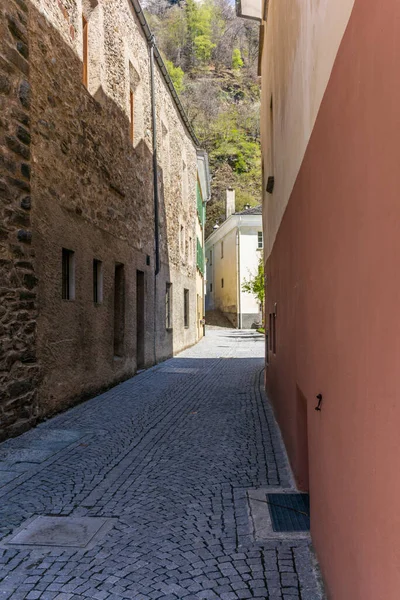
(211, 56)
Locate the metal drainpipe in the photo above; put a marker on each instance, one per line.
(155, 165)
(155, 190)
(239, 288)
(205, 270)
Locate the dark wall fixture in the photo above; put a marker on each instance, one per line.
(319, 398)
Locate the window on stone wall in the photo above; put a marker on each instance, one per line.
(211, 258)
(132, 114)
(85, 51)
(222, 249)
(186, 308)
(68, 274)
(119, 310)
(97, 281)
(260, 240)
(92, 48)
(185, 181)
(135, 106)
(168, 306)
(222, 282)
(210, 287)
(182, 241)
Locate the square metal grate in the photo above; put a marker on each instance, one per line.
(289, 512)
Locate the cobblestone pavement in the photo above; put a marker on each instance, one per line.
(169, 456)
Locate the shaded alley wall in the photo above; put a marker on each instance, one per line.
(333, 289)
(92, 195)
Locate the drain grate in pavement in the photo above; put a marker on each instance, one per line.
(289, 512)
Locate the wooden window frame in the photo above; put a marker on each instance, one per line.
(186, 308)
(168, 306)
(85, 53)
(132, 114)
(68, 275)
(119, 310)
(97, 281)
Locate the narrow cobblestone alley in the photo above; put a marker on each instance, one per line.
(165, 460)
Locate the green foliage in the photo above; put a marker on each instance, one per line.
(199, 19)
(203, 47)
(255, 284)
(237, 62)
(211, 56)
(177, 75)
(232, 144)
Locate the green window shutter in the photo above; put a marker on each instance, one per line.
(200, 257)
(200, 207)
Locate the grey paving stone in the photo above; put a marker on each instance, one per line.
(169, 455)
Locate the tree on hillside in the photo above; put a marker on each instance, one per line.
(176, 74)
(237, 62)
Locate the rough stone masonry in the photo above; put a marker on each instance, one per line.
(19, 369)
(76, 186)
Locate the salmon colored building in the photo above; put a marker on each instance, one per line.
(330, 122)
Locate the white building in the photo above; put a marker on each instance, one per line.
(233, 251)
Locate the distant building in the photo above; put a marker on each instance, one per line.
(233, 252)
(101, 243)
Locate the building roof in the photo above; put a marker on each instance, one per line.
(253, 210)
(252, 217)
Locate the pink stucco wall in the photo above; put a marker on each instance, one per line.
(334, 273)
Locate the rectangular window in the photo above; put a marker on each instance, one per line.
(222, 249)
(140, 319)
(260, 239)
(182, 240)
(210, 287)
(85, 52)
(186, 307)
(222, 283)
(168, 306)
(210, 258)
(97, 281)
(185, 181)
(68, 274)
(132, 114)
(119, 310)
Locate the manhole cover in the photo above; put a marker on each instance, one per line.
(65, 532)
(289, 512)
(25, 455)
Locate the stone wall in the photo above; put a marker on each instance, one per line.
(92, 194)
(19, 372)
